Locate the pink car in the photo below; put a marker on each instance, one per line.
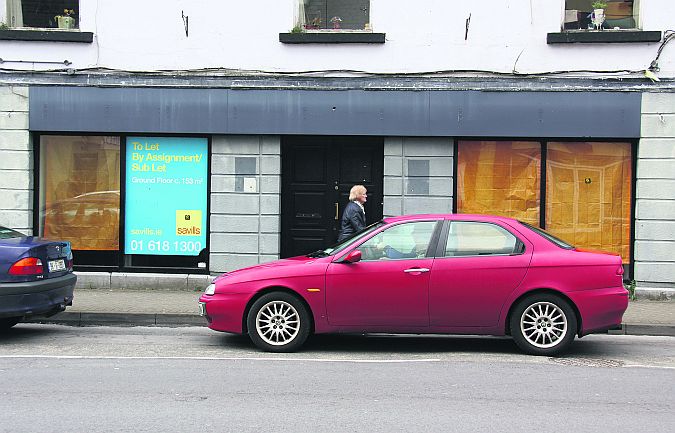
(427, 274)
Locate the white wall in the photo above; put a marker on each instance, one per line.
(655, 193)
(422, 36)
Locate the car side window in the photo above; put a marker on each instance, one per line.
(402, 241)
(470, 238)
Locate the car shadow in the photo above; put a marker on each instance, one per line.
(21, 332)
(387, 343)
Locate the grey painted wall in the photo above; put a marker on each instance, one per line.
(418, 175)
(655, 195)
(245, 201)
(16, 160)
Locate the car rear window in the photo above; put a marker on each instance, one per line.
(549, 237)
(6, 233)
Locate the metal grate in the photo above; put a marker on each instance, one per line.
(588, 362)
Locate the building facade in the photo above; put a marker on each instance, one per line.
(181, 141)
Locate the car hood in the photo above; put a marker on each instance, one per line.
(275, 268)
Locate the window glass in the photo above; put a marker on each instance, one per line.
(467, 238)
(334, 14)
(588, 195)
(499, 177)
(580, 14)
(80, 191)
(62, 14)
(6, 233)
(402, 241)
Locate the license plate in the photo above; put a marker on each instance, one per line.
(202, 309)
(57, 265)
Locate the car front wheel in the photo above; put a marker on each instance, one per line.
(278, 322)
(543, 324)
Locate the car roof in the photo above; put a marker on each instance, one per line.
(454, 216)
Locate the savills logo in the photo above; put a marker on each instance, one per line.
(188, 222)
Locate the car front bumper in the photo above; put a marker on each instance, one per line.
(37, 298)
(224, 312)
(601, 309)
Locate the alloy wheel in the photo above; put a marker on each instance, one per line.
(277, 323)
(543, 324)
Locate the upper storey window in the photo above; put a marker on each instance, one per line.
(61, 14)
(334, 14)
(600, 14)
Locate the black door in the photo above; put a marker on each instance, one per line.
(317, 174)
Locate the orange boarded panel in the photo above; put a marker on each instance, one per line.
(499, 178)
(588, 195)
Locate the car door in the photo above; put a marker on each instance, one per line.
(481, 264)
(390, 285)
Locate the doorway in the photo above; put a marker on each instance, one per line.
(317, 173)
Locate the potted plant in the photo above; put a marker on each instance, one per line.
(336, 22)
(66, 21)
(598, 13)
(315, 24)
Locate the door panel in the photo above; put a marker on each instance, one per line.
(378, 293)
(470, 290)
(317, 174)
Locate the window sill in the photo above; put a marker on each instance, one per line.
(47, 35)
(336, 37)
(602, 36)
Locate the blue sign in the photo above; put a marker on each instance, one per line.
(166, 196)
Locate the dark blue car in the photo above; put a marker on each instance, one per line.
(36, 277)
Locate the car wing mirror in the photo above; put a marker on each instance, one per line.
(353, 257)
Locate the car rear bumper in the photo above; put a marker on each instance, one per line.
(37, 298)
(224, 312)
(602, 309)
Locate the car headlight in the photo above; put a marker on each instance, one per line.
(210, 289)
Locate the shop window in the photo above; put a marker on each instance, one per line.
(79, 197)
(500, 178)
(63, 14)
(588, 195)
(585, 14)
(333, 14)
(163, 200)
(587, 188)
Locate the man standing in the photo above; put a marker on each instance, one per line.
(354, 215)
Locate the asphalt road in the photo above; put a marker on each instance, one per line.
(57, 378)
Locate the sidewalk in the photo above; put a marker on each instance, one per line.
(179, 308)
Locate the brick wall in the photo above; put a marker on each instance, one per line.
(16, 160)
(655, 194)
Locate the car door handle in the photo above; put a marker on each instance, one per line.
(407, 271)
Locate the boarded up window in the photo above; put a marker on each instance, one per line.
(499, 177)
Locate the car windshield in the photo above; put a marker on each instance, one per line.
(6, 233)
(549, 237)
(341, 245)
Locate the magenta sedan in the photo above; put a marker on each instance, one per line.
(427, 274)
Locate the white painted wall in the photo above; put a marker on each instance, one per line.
(422, 36)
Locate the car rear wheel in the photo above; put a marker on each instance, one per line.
(278, 322)
(543, 324)
(8, 322)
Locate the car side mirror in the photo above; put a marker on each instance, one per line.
(353, 257)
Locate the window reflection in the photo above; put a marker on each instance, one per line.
(80, 191)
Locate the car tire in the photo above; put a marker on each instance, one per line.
(543, 324)
(278, 322)
(8, 322)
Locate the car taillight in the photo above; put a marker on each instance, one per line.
(619, 270)
(27, 266)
